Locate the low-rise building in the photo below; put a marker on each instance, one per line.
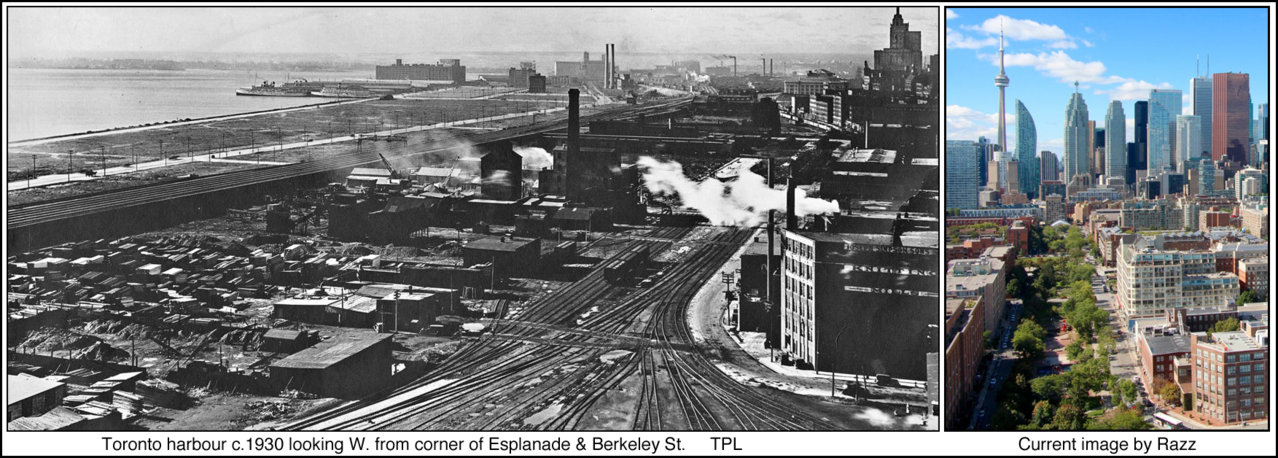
(982, 278)
(1253, 274)
(964, 347)
(348, 366)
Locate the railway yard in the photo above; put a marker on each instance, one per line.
(363, 283)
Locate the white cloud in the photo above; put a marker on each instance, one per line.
(1133, 90)
(963, 123)
(1063, 44)
(1019, 29)
(1087, 43)
(1131, 127)
(956, 40)
(950, 14)
(1186, 104)
(1060, 65)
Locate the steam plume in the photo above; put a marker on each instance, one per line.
(535, 158)
(739, 203)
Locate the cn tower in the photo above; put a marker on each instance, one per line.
(1001, 82)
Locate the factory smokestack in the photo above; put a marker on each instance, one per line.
(771, 67)
(607, 67)
(574, 122)
(612, 65)
(791, 221)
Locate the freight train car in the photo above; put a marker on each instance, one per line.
(626, 264)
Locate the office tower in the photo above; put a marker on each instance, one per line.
(1231, 95)
(1206, 176)
(1133, 149)
(1200, 97)
(1026, 144)
(1116, 141)
(1139, 160)
(1048, 168)
(1001, 81)
(1077, 137)
(1164, 106)
(1188, 140)
(1262, 112)
(1098, 149)
(983, 144)
(961, 159)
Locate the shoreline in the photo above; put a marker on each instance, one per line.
(24, 142)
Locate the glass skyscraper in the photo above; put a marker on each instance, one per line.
(1027, 172)
(1200, 97)
(961, 159)
(1189, 143)
(1116, 141)
(1164, 106)
(1137, 155)
(1077, 137)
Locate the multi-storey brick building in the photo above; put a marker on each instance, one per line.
(964, 346)
(1230, 370)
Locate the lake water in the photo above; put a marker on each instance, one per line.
(44, 102)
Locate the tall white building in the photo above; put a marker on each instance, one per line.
(1116, 141)
(1164, 106)
(1189, 141)
(1078, 136)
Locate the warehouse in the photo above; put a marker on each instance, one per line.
(349, 367)
(510, 256)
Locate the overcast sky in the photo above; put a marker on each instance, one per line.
(71, 31)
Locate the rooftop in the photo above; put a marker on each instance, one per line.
(1229, 341)
(326, 354)
(499, 243)
(23, 386)
(1163, 345)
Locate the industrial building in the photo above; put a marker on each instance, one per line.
(350, 367)
(446, 70)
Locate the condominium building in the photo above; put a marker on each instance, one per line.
(1229, 375)
(961, 160)
(964, 347)
(1253, 274)
(982, 278)
(1152, 279)
(1255, 219)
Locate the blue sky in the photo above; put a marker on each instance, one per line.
(1114, 54)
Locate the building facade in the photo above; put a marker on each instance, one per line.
(1189, 143)
(961, 160)
(1077, 137)
(1229, 376)
(1231, 116)
(444, 70)
(1116, 141)
(1164, 106)
(1200, 94)
(1028, 175)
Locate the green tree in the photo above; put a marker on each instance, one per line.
(1028, 340)
(1170, 393)
(1074, 350)
(1120, 419)
(1247, 297)
(1069, 417)
(1042, 414)
(1049, 387)
(1014, 288)
(1226, 325)
(1127, 390)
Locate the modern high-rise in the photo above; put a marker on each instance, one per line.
(1200, 96)
(1001, 81)
(1164, 106)
(985, 149)
(1026, 144)
(1048, 168)
(1231, 95)
(1116, 141)
(1262, 112)
(1138, 159)
(1189, 144)
(961, 159)
(1077, 137)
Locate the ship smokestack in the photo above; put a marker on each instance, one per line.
(791, 221)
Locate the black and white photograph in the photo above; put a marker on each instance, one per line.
(506, 218)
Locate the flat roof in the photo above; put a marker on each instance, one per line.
(326, 354)
(1163, 345)
(23, 386)
(499, 243)
(1235, 341)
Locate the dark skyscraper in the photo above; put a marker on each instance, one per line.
(1140, 160)
(1133, 152)
(983, 144)
(1231, 99)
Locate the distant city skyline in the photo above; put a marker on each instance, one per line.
(745, 30)
(1048, 49)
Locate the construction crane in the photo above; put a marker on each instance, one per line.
(393, 172)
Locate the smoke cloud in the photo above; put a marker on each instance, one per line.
(535, 158)
(739, 203)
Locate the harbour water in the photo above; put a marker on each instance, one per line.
(46, 102)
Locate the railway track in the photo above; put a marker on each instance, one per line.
(40, 213)
(546, 372)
